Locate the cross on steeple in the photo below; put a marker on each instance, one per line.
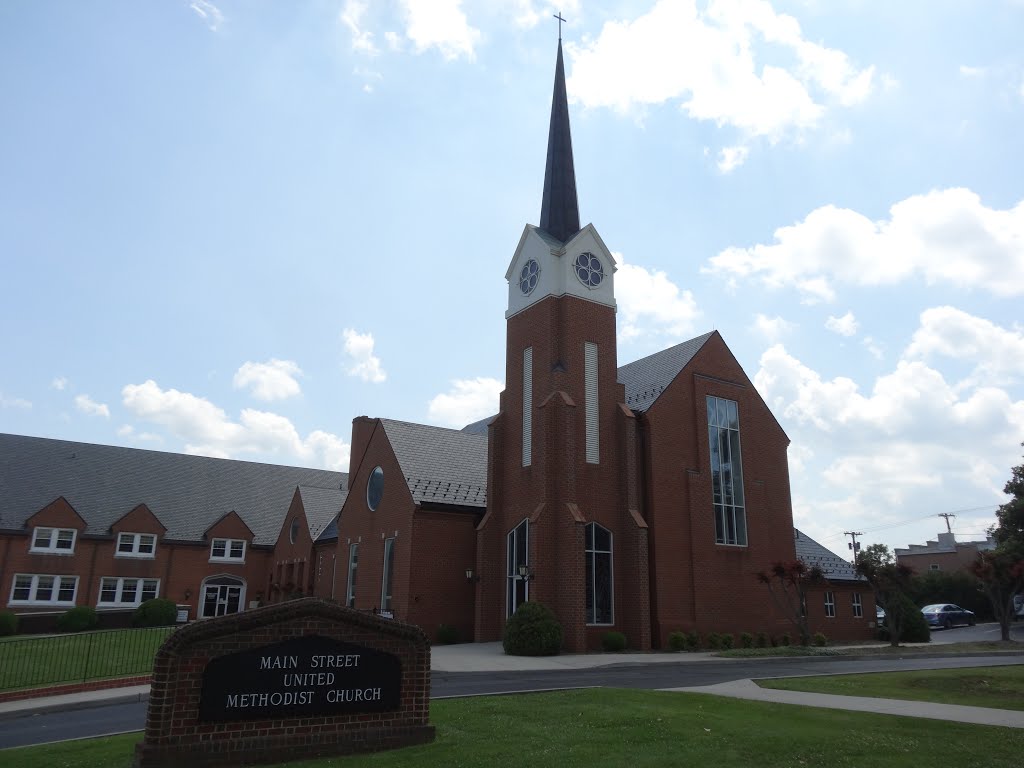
(560, 20)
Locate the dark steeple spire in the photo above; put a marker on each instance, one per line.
(559, 212)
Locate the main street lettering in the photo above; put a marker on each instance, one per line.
(302, 676)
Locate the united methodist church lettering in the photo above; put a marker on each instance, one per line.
(303, 676)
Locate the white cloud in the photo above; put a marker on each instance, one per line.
(351, 15)
(651, 304)
(128, 432)
(967, 71)
(208, 431)
(844, 326)
(439, 24)
(737, 63)
(14, 402)
(87, 405)
(467, 401)
(272, 380)
(771, 328)
(209, 13)
(365, 365)
(997, 353)
(873, 347)
(527, 14)
(59, 383)
(731, 158)
(944, 236)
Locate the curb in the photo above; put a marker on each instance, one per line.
(48, 705)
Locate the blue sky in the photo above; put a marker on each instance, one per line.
(229, 228)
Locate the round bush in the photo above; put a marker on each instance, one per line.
(78, 619)
(613, 642)
(915, 625)
(746, 640)
(533, 630)
(763, 641)
(156, 613)
(726, 640)
(8, 623)
(676, 641)
(820, 639)
(692, 640)
(447, 634)
(785, 639)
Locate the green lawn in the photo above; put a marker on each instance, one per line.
(641, 729)
(27, 662)
(999, 687)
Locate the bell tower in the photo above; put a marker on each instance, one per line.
(561, 523)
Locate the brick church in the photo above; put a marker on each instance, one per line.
(642, 497)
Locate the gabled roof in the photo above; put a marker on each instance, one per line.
(441, 466)
(187, 494)
(478, 427)
(322, 506)
(645, 379)
(832, 565)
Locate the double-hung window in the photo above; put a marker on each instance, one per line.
(726, 471)
(136, 545)
(54, 540)
(37, 589)
(127, 592)
(228, 550)
(830, 605)
(858, 608)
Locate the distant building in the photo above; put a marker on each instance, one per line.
(944, 554)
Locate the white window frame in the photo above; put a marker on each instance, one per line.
(120, 582)
(136, 540)
(53, 539)
(830, 605)
(858, 605)
(353, 574)
(229, 545)
(387, 581)
(34, 578)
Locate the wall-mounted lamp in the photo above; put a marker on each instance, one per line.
(188, 593)
(470, 576)
(526, 572)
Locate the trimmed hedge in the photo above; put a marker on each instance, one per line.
(158, 612)
(613, 642)
(533, 630)
(78, 619)
(8, 623)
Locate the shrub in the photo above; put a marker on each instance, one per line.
(746, 640)
(676, 641)
(533, 630)
(692, 640)
(613, 642)
(713, 641)
(763, 641)
(447, 634)
(156, 613)
(78, 619)
(8, 623)
(726, 639)
(820, 639)
(785, 639)
(915, 626)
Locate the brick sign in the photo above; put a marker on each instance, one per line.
(302, 679)
(309, 675)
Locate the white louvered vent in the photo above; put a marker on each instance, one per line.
(527, 406)
(590, 386)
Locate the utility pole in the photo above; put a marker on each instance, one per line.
(853, 545)
(947, 515)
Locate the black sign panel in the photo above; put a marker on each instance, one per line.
(300, 677)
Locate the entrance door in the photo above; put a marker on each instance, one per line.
(222, 595)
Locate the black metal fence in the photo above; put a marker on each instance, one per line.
(41, 661)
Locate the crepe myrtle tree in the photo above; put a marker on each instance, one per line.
(1000, 571)
(788, 584)
(890, 581)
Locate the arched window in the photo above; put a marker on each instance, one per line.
(518, 554)
(599, 583)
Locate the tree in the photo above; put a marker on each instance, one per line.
(891, 582)
(787, 584)
(1001, 571)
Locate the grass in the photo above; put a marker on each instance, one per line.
(782, 650)
(642, 729)
(57, 659)
(998, 687)
(987, 646)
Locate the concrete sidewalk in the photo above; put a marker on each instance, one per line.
(748, 689)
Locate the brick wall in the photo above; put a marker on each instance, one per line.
(175, 735)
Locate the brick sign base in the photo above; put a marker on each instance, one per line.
(302, 679)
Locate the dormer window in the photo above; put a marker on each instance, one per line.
(54, 540)
(228, 550)
(136, 545)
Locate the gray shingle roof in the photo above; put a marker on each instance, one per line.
(478, 427)
(833, 566)
(442, 466)
(648, 377)
(322, 506)
(187, 493)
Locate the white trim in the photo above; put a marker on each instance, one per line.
(239, 584)
(34, 589)
(136, 544)
(227, 557)
(117, 602)
(527, 406)
(830, 605)
(858, 605)
(54, 539)
(350, 592)
(590, 394)
(387, 575)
